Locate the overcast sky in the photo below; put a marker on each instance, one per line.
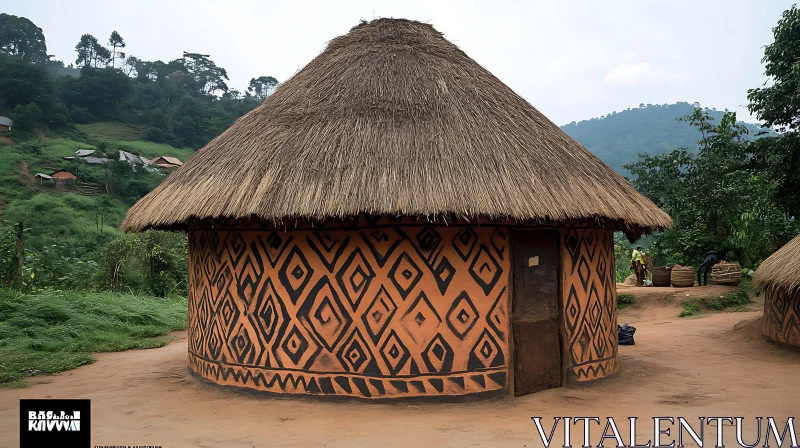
(572, 60)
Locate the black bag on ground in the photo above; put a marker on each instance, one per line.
(625, 334)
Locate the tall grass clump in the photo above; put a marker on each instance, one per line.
(58, 330)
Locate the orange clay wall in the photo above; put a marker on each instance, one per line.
(782, 316)
(590, 303)
(386, 312)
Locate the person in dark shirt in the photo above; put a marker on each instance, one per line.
(705, 267)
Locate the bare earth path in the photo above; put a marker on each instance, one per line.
(679, 367)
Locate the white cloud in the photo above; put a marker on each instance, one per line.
(642, 73)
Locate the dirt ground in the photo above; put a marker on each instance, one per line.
(716, 364)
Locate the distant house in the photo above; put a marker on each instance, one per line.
(90, 156)
(167, 162)
(133, 159)
(96, 160)
(5, 124)
(44, 178)
(64, 176)
(85, 152)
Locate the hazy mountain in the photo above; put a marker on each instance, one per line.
(619, 136)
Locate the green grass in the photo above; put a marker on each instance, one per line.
(56, 331)
(152, 150)
(64, 218)
(733, 301)
(63, 147)
(110, 131)
(624, 300)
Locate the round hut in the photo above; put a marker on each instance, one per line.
(394, 221)
(778, 278)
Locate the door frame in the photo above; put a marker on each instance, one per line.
(562, 331)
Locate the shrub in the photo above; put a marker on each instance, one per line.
(690, 308)
(625, 299)
(157, 135)
(81, 115)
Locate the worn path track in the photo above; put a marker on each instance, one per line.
(679, 367)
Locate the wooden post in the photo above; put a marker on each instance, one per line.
(20, 256)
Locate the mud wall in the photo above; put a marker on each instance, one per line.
(589, 293)
(782, 315)
(385, 312)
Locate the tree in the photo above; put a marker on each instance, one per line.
(86, 48)
(20, 37)
(115, 41)
(129, 66)
(91, 53)
(27, 118)
(778, 105)
(22, 82)
(207, 77)
(718, 199)
(262, 87)
(102, 56)
(100, 90)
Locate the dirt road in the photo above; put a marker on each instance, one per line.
(679, 367)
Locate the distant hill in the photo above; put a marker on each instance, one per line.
(618, 137)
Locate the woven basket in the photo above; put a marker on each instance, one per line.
(661, 275)
(682, 277)
(726, 273)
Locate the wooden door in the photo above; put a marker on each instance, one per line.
(535, 311)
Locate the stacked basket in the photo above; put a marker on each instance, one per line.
(725, 273)
(682, 276)
(661, 275)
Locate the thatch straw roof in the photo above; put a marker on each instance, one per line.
(782, 269)
(392, 119)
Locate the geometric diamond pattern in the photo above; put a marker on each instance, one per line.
(589, 301)
(368, 312)
(323, 313)
(355, 354)
(394, 353)
(485, 269)
(379, 314)
(355, 277)
(295, 273)
(421, 320)
(438, 356)
(782, 315)
(405, 274)
(462, 315)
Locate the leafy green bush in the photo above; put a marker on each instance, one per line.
(625, 299)
(81, 115)
(622, 255)
(155, 262)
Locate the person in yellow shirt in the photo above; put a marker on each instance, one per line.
(637, 264)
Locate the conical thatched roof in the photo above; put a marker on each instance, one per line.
(392, 119)
(782, 269)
